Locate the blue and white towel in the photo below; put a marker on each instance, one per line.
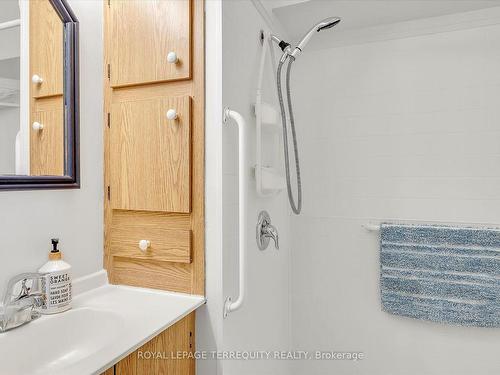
(439, 273)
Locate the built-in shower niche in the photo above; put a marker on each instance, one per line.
(269, 180)
(268, 176)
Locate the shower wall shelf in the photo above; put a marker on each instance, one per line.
(269, 181)
(269, 119)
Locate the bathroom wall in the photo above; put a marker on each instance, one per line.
(28, 219)
(263, 321)
(401, 129)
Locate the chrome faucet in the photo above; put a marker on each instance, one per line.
(266, 231)
(22, 303)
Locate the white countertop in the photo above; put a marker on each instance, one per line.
(105, 324)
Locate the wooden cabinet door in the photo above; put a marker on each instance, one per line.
(46, 49)
(109, 371)
(47, 144)
(177, 341)
(142, 35)
(150, 155)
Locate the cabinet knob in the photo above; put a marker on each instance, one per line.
(37, 126)
(172, 58)
(172, 114)
(144, 245)
(36, 79)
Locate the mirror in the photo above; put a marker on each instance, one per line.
(39, 145)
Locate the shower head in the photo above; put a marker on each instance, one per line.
(327, 23)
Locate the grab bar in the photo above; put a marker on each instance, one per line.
(229, 305)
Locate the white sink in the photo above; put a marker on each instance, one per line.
(51, 343)
(104, 325)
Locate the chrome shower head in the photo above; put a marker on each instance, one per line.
(327, 23)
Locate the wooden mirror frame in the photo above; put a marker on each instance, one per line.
(71, 178)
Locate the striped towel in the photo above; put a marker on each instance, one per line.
(440, 273)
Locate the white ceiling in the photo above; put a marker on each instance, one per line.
(298, 16)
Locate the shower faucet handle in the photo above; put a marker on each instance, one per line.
(270, 231)
(266, 231)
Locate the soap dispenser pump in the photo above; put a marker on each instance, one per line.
(56, 283)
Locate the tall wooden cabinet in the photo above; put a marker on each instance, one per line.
(154, 153)
(154, 140)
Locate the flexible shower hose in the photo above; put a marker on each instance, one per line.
(296, 208)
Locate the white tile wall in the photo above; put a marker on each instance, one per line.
(407, 129)
(263, 321)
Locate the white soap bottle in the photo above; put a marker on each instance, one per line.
(56, 284)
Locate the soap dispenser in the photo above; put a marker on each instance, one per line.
(56, 283)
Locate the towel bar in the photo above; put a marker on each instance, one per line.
(371, 227)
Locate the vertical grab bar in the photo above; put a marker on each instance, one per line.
(229, 305)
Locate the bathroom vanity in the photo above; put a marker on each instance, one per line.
(107, 324)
